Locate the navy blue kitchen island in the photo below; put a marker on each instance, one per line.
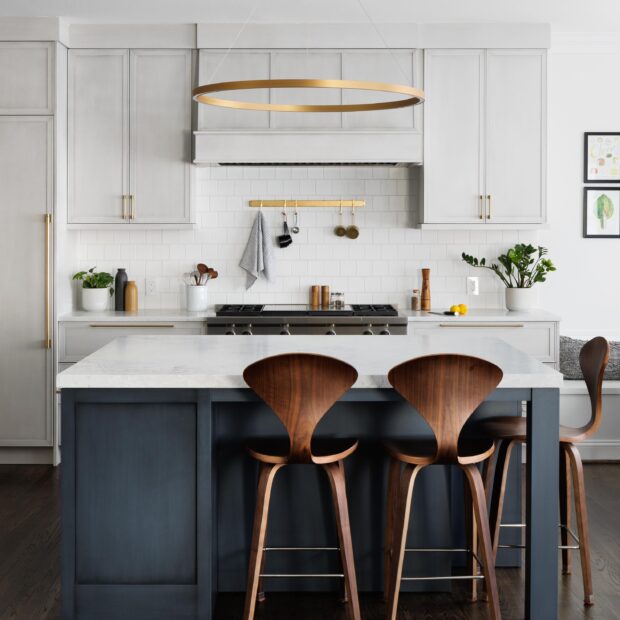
(158, 495)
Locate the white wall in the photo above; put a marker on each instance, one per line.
(381, 266)
(584, 95)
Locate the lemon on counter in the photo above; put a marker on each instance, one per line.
(455, 309)
(463, 308)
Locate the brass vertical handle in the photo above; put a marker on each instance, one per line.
(481, 208)
(48, 261)
(489, 203)
(132, 207)
(124, 203)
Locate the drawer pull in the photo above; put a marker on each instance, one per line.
(482, 325)
(132, 325)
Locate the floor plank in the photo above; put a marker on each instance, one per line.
(30, 580)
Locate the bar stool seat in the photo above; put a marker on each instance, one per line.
(515, 429)
(324, 449)
(422, 451)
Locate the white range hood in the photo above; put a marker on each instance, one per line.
(307, 147)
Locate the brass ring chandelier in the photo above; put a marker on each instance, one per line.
(413, 96)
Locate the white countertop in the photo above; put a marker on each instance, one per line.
(142, 316)
(219, 361)
(490, 315)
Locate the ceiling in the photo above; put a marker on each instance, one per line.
(567, 14)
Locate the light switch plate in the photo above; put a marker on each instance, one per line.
(473, 285)
(150, 286)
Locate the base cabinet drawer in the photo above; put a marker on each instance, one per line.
(77, 340)
(538, 339)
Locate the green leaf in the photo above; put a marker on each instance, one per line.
(603, 209)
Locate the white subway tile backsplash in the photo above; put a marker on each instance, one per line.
(382, 265)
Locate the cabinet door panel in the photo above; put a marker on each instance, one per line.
(516, 125)
(26, 78)
(306, 64)
(453, 156)
(218, 67)
(160, 135)
(378, 66)
(98, 135)
(26, 167)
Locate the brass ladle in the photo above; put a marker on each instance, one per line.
(352, 232)
(340, 230)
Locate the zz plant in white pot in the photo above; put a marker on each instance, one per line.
(521, 267)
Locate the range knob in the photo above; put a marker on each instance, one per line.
(230, 330)
(247, 330)
(284, 330)
(368, 331)
(331, 331)
(385, 331)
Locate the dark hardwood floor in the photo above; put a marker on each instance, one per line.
(30, 581)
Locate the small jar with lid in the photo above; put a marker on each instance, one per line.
(337, 301)
(416, 299)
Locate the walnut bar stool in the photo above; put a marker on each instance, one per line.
(445, 390)
(301, 388)
(507, 431)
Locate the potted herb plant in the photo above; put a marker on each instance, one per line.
(96, 289)
(197, 287)
(519, 269)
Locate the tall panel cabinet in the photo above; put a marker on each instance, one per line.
(26, 201)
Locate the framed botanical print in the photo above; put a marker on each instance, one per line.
(601, 212)
(601, 158)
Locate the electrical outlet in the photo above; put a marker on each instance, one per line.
(150, 286)
(473, 285)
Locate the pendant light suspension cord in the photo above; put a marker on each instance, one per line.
(225, 56)
(385, 43)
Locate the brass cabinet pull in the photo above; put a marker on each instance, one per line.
(481, 325)
(489, 203)
(132, 325)
(132, 207)
(124, 203)
(48, 288)
(481, 208)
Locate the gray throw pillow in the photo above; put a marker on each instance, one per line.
(569, 359)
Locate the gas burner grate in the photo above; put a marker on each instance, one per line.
(239, 309)
(374, 310)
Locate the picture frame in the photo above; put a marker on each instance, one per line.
(601, 212)
(601, 157)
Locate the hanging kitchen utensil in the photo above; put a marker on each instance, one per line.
(340, 230)
(352, 232)
(295, 228)
(285, 239)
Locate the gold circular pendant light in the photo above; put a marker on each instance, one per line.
(413, 96)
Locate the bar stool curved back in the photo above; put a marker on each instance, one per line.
(300, 388)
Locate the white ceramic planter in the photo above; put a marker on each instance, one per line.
(522, 299)
(95, 299)
(196, 298)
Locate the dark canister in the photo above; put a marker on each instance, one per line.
(119, 289)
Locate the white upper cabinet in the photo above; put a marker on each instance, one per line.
(129, 135)
(160, 135)
(516, 132)
(453, 146)
(26, 76)
(98, 136)
(485, 137)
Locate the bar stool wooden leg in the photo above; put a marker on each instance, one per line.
(266, 476)
(482, 521)
(565, 510)
(581, 510)
(344, 590)
(399, 538)
(390, 515)
(472, 540)
(488, 472)
(499, 490)
(339, 493)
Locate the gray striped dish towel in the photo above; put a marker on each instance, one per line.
(258, 256)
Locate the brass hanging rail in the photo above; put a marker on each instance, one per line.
(293, 204)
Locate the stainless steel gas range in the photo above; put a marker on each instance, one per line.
(300, 319)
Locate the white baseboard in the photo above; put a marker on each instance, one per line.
(599, 449)
(26, 456)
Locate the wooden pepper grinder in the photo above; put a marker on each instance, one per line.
(426, 290)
